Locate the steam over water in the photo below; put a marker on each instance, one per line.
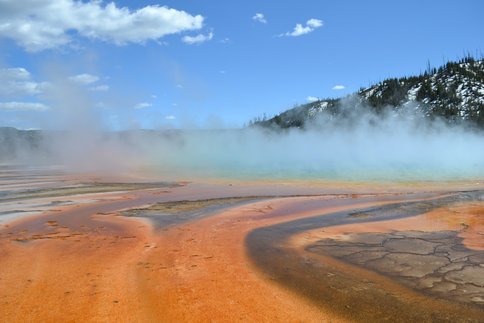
(399, 145)
(361, 154)
(392, 151)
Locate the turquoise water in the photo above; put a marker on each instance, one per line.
(380, 173)
(316, 156)
(393, 151)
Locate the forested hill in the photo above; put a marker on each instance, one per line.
(453, 92)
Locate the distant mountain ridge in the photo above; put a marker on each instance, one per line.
(14, 142)
(453, 92)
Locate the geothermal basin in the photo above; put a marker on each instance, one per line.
(84, 247)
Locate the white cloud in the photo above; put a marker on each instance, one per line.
(198, 39)
(143, 105)
(38, 25)
(17, 82)
(84, 79)
(338, 87)
(100, 88)
(226, 40)
(312, 99)
(310, 26)
(15, 73)
(23, 106)
(170, 117)
(314, 23)
(260, 18)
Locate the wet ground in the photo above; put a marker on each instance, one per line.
(432, 263)
(90, 249)
(165, 214)
(28, 191)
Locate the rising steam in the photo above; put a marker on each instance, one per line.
(397, 145)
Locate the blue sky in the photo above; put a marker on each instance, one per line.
(134, 64)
